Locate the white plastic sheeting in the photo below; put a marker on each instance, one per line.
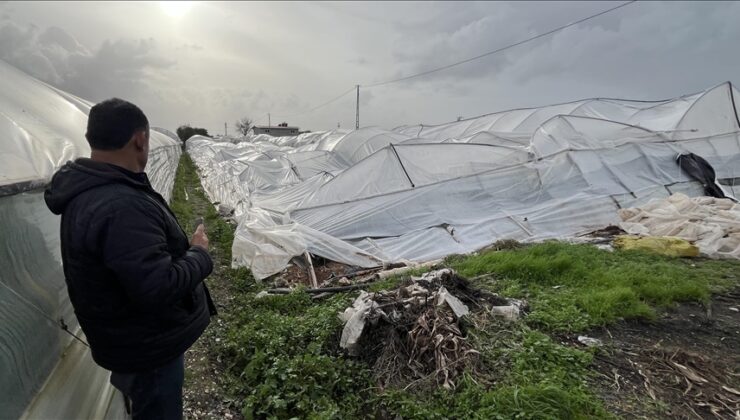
(43, 127)
(423, 192)
(40, 128)
(712, 224)
(45, 372)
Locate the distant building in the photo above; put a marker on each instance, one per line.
(279, 130)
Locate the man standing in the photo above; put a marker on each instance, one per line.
(134, 279)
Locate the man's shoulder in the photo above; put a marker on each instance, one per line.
(112, 198)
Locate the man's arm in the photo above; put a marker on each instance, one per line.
(134, 247)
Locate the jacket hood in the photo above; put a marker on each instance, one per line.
(76, 177)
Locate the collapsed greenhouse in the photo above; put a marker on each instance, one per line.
(48, 372)
(415, 193)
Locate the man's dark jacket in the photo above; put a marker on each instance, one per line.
(135, 282)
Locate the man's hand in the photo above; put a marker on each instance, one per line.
(200, 238)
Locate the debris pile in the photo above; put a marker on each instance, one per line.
(415, 335)
(712, 224)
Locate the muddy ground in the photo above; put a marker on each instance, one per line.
(685, 365)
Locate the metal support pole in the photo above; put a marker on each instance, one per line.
(357, 118)
(226, 130)
(268, 120)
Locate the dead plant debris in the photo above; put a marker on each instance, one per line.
(414, 336)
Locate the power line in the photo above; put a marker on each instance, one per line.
(544, 34)
(320, 106)
(550, 32)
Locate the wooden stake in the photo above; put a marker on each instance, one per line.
(314, 283)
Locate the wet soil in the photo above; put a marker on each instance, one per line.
(684, 365)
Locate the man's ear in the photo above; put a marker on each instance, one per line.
(140, 140)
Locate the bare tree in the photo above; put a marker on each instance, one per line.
(243, 125)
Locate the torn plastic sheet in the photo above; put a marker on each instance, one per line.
(354, 319)
(273, 248)
(423, 192)
(702, 171)
(444, 297)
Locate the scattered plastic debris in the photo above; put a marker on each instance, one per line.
(458, 308)
(605, 247)
(354, 318)
(589, 341)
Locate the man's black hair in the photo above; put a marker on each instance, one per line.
(111, 124)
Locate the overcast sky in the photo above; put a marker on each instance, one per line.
(210, 63)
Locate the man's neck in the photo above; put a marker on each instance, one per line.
(116, 158)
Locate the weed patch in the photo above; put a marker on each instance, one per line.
(576, 287)
(284, 353)
(220, 233)
(537, 379)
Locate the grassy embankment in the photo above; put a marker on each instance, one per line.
(283, 357)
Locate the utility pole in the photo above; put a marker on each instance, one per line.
(268, 120)
(226, 130)
(357, 117)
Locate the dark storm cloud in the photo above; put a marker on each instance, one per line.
(120, 67)
(117, 68)
(668, 41)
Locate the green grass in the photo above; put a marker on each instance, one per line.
(283, 350)
(576, 287)
(530, 377)
(283, 358)
(285, 363)
(185, 177)
(220, 233)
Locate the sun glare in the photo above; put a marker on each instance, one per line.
(176, 9)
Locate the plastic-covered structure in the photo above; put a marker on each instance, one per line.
(46, 373)
(422, 192)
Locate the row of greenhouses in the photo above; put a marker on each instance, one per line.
(372, 196)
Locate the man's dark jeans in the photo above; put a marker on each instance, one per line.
(156, 394)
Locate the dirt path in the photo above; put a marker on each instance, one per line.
(205, 394)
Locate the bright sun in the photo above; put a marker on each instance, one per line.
(176, 9)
